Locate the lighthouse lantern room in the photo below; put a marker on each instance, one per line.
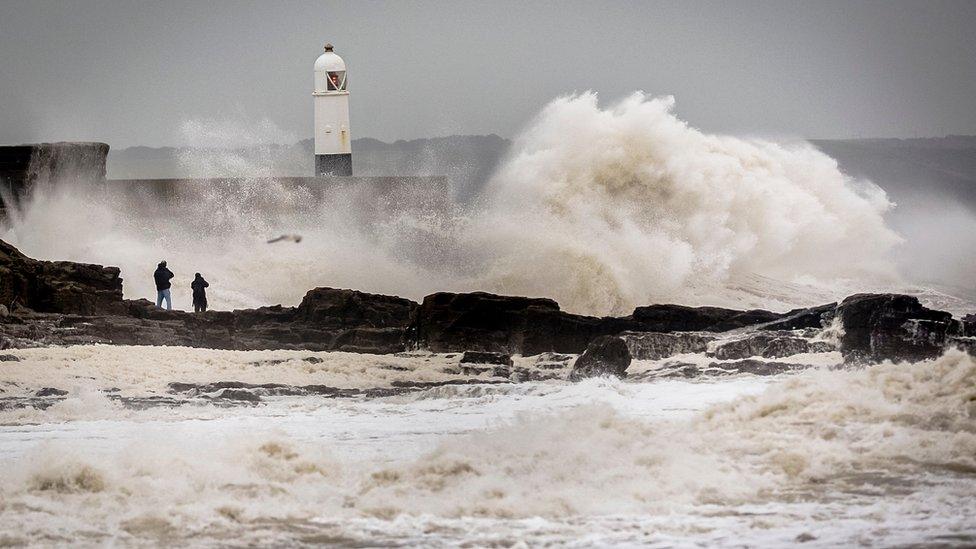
(333, 143)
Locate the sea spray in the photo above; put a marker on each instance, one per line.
(602, 209)
(605, 208)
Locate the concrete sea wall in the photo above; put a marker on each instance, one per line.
(24, 168)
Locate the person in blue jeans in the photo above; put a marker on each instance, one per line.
(163, 276)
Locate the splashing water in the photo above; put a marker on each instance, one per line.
(602, 209)
(882, 455)
(607, 208)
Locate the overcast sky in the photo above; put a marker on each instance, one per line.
(160, 73)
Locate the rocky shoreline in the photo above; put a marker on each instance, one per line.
(49, 303)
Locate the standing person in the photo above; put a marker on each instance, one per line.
(199, 286)
(163, 276)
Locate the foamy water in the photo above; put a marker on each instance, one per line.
(878, 456)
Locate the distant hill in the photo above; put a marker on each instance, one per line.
(911, 169)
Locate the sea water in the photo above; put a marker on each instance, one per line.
(882, 455)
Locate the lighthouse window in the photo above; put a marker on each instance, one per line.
(337, 80)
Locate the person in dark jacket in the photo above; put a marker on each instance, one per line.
(163, 276)
(199, 286)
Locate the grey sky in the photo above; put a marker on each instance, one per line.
(130, 73)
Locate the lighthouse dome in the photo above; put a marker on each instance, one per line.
(330, 72)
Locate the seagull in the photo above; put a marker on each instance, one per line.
(296, 238)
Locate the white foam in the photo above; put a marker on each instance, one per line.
(884, 454)
(147, 370)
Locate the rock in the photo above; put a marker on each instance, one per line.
(350, 308)
(474, 363)
(678, 369)
(891, 327)
(553, 361)
(63, 303)
(58, 286)
(786, 346)
(743, 319)
(969, 325)
(82, 304)
(605, 355)
(50, 391)
(755, 367)
(4, 312)
(560, 332)
(675, 369)
(797, 319)
(479, 369)
(746, 347)
(679, 318)
(450, 322)
(966, 344)
(239, 395)
(764, 344)
(252, 329)
(397, 387)
(481, 357)
(821, 347)
(658, 345)
(9, 358)
(805, 537)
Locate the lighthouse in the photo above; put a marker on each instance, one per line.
(333, 143)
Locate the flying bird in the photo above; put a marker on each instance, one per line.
(296, 238)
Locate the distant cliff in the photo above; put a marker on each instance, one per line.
(907, 168)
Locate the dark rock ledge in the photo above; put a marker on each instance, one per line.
(64, 303)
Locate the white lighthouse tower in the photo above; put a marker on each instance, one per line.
(333, 143)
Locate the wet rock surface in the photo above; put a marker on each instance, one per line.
(480, 362)
(63, 303)
(57, 286)
(553, 361)
(274, 327)
(969, 325)
(50, 391)
(679, 318)
(480, 357)
(449, 322)
(769, 345)
(606, 355)
(658, 345)
(678, 369)
(967, 344)
(892, 327)
(798, 319)
(353, 309)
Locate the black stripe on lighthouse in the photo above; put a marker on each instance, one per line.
(333, 164)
